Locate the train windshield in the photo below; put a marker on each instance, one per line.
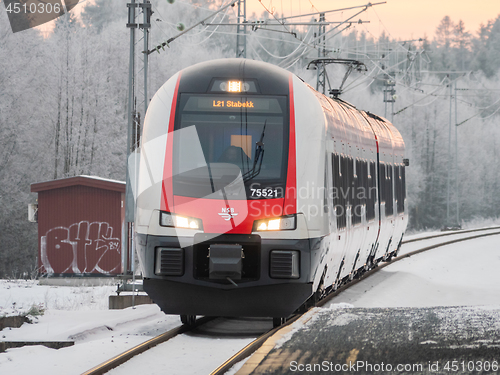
(222, 142)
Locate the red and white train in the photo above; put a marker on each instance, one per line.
(257, 193)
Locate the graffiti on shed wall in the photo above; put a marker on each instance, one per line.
(84, 247)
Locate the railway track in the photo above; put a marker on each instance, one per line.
(141, 348)
(257, 343)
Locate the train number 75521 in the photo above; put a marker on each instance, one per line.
(265, 193)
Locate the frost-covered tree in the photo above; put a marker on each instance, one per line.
(443, 44)
(63, 103)
(23, 142)
(462, 43)
(492, 49)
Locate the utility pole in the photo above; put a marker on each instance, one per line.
(448, 194)
(456, 160)
(129, 199)
(133, 127)
(389, 94)
(241, 37)
(321, 72)
(449, 161)
(146, 26)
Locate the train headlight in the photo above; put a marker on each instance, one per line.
(279, 223)
(234, 86)
(178, 221)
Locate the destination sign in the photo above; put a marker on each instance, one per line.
(218, 103)
(232, 103)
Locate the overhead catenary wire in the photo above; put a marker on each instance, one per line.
(166, 43)
(162, 45)
(212, 32)
(481, 111)
(314, 40)
(303, 45)
(281, 57)
(400, 47)
(209, 36)
(367, 77)
(388, 71)
(437, 89)
(321, 46)
(295, 61)
(334, 10)
(301, 42)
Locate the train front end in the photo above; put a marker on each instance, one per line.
(217, 229)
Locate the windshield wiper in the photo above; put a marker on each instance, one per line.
(259, 155)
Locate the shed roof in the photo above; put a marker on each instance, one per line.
(91, 181)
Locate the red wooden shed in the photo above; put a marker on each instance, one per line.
(80, 226)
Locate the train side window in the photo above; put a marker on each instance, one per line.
(354, 198)
(382, 184)
(367, 183)
(400, 189)
(338, 186)
(344, 192)
(403, 180)
(364, 188)
(325, 186)
(350, 183)
(358, 193)
(389, 202)
(371, 192)
(397, 188)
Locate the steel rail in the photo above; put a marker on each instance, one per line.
(257, 343)
(125, 356)
(450, 233)
(252, 347)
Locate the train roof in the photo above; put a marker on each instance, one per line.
(271, 80)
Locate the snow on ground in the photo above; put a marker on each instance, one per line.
(81, 314)
(463, 277)
(463, 274)
(19, 296)
(98, 335)
(71, 313)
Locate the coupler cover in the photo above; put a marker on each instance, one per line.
(226, 261)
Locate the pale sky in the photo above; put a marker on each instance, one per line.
(402, 19)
